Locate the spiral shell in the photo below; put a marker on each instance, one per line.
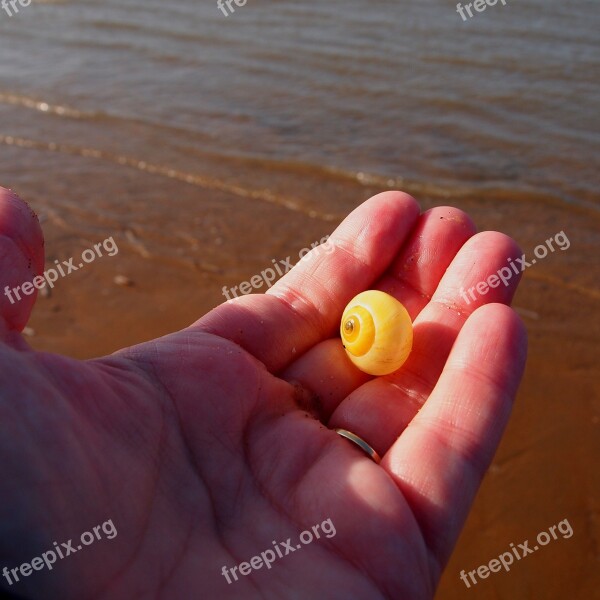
(377, 332)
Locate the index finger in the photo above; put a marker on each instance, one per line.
(304, 307)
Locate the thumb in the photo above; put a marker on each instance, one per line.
(21, 259)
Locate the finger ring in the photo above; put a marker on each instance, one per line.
(360, 443)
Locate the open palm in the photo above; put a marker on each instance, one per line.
(205, 447)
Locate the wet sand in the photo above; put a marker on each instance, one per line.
(546, 468)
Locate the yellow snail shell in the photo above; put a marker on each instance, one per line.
(377, 332)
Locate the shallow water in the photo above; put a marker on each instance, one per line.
(408, 92)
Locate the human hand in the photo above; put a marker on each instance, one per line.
(206, 445)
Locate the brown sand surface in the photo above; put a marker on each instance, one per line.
(181, 242)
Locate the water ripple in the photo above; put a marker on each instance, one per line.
(166, 171)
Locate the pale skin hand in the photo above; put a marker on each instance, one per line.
(205, 446)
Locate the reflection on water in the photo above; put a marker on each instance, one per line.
(401, 93)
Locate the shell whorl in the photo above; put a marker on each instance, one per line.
(358, 331)
(376, 332)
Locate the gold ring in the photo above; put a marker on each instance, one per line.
(360, 443)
